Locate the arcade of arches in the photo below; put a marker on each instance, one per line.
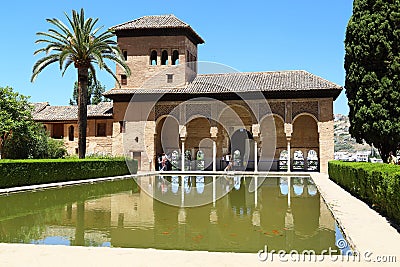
(279, 141)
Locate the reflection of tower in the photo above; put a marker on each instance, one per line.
(80, 224)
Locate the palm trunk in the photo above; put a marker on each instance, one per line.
(82, 110)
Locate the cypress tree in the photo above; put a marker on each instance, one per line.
(372, 64)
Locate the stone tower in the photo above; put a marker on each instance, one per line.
(157, 48)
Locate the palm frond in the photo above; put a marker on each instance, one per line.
(76, 42)
(41, 64)
(68, 63)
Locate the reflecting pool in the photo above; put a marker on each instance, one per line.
(237, 214)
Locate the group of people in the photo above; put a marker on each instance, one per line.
(164, 163)
(392, 158)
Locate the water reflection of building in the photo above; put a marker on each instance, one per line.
(283, 213)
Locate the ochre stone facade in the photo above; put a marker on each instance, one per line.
(260, 120)
(100, 144)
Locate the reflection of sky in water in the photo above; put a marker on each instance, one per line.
(236, 182)
(312, 189)
(53, 240)
(283, 184)
(186, 181)
(106, 244)
(339, 236)
(298, 189)
(174, 184)
(200, 184)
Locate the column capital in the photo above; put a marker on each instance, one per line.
(255, 130)
(182, 131)
(214, 132)
(288, 129)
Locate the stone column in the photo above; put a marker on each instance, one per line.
(183, 154)
(288, 132)
(214, 132)
(255, 128)
(182, 135)
(289, 154)
(256, 140)
(214, 155)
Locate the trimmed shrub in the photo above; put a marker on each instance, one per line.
(376, 184)
(29, 172)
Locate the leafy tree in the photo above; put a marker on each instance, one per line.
(20, 136)
(372, 64)
(15, 115)
(95, 92)
(83, 46)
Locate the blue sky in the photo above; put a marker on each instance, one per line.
(261, 35)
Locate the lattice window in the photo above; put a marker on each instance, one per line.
(310, 107)
(161, 110)
(277, 108)
(196, 110)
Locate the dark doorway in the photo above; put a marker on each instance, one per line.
(242, 150)
(58, 131)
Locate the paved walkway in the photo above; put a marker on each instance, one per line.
(365, 229)
(368, 232)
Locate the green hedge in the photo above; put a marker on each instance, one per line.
(29, 172)
(376, 184)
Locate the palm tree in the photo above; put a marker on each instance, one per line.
(83, 46)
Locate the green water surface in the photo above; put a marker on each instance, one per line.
(123, 214)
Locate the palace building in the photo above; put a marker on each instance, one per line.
(276, 120)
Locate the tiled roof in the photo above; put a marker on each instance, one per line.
(39, 106)
(156, 22)
(68, 113)
(276, 81)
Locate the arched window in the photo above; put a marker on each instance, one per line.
(298, 160)
(200, 160)
(164, 57)
(312, 160)
(153, 58)
(175, 57)
(125, 54)
(283, 160)
(71, 133)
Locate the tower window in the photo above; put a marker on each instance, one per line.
(164, 57)
(124, 80)
(175, 57)
(170, 78)
(125, 54)
(153, 58)
(71, 133)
